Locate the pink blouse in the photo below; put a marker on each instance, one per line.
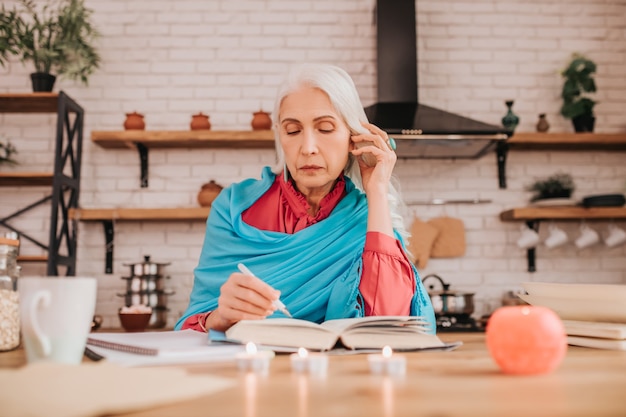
(387, 281)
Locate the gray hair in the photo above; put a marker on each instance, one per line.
(340, 88)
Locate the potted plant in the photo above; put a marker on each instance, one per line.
(578, 84)
(559, 185)
(57, 40)
(6, 151)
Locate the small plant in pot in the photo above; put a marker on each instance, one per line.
(578, 84)
(559, 185)
(56, 37)
(6, 152)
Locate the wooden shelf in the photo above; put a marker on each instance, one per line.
(568, 141)
(563, 213)
(252, 139)
(137, 214)
(32, 258)
(10, 179)
(29, 103)
(108, 217)
(534, 215)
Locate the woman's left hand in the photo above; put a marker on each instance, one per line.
(378, 158)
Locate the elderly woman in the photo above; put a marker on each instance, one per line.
(321, 230)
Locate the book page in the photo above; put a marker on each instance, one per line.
(283, 332)
(340, 326)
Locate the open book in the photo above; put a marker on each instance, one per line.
(375, 332)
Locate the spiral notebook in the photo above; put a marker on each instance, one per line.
(159, 347)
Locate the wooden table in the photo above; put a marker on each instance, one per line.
(464, 382)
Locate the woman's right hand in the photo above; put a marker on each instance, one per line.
(242, 297)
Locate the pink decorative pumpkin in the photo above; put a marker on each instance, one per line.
(526, 340)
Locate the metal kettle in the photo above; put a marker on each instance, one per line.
(446, 301)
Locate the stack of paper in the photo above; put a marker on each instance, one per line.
(593, 314)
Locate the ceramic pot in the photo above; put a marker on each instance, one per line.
(261, 121)
(42, 81)
(200, 122)
(510, 119)
(542, 123)
(584, 123)
(208, 192)
(134, 121)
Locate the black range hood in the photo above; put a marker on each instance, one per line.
(419, 130)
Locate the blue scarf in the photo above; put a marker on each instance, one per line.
(317, 270)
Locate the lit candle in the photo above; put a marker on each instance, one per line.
(387, 363)
(306, 362)
(526, 339)
(254, 360)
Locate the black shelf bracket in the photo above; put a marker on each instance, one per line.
(143, 160)
(530, 252)
(109, 234)
(502, 151)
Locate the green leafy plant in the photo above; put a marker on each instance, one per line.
(578, 83)
(56, 37)
(559, 185)
(6, 151)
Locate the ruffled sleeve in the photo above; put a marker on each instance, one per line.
(387, 282)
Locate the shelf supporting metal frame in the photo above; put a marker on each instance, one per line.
(143, 160)
(109, 235)
(23, 235)
(502, 151)
(531, 252)
(65, 186)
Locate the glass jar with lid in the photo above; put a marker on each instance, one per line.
(9, 306)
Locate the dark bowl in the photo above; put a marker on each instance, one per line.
(135, 322)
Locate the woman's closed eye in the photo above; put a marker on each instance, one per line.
(326, 127)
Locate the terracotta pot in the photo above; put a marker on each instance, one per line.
(200, 122)
(208, 192)
(134, 121)
(261, 121)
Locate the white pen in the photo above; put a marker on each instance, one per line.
(277, 303)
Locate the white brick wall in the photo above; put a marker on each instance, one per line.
(225, 58)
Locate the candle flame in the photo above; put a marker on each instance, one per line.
(302, 352)
(251, 348)
(387, 352)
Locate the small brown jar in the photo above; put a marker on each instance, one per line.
(261, 121)
(200, 122)
(208, 192)
(542, 123)
(134, 121)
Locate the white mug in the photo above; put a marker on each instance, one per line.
(56, 315)
(556, 237)
(588, 237)
(528, 239)
(615, 237)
